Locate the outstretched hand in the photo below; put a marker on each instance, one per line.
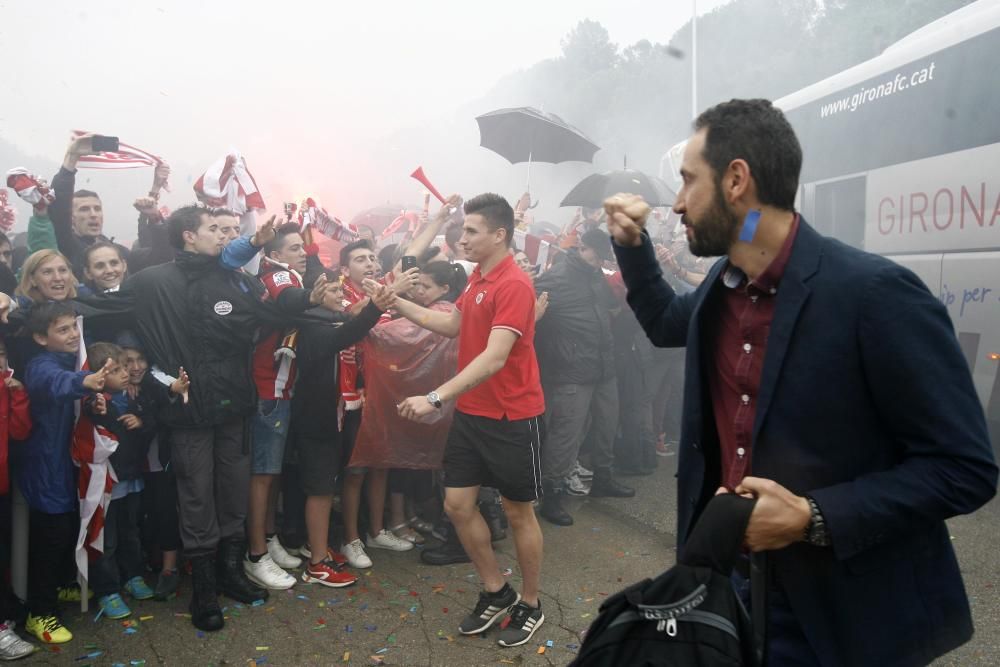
(181, 385)
(627, 215)
(449, 208)
(95, 381)
(319, 290)
(384, 298)
(265, 234)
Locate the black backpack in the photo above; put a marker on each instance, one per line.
(690, 614)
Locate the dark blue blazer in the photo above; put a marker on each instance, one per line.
(866, 404)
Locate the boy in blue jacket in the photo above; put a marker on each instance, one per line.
(42, 465)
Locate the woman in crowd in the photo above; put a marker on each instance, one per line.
(403, 359)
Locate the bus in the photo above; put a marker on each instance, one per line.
(902, 158)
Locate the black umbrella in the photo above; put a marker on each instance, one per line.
(593, 190)
(526, 134)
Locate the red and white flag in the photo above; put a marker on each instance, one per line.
(92, 446)
(126, 157)
(29, 187)
(228, 183)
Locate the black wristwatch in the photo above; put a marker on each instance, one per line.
(434, 399)
(816, 532)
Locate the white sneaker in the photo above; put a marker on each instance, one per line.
(386, 540)
(13, 647)
(280, 556)
(267, 574)
(356, 556)
(582, 472)
(575, 486)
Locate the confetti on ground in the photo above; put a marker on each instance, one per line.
(200, 634)
(549, 643)
(584, 615)
(130, 631)
(348, 628)
(258, 603)
(363, 606)
(413, 609)
(392, 639)
(90, 656)
(137, 663)
(381, 651)
(262, 648)
(90, 647)
(145, 618)
(507, 572)
(302, 597)
(572, 647)
(504, 623)
(347, 656)
(181, 615)
(444, 609)
(371, 628)
(541, 650)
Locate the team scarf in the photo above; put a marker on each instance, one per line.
(91, 450)
(29, 187)
(126, 157)
(228, 183)
(409, 219)
(8, 216)
(327, 225)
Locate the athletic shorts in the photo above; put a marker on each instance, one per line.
(500, 453)
(319, 463)
(269, 430)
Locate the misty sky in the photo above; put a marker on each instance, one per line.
(303, 89)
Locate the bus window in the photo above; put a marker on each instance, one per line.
(840, 210)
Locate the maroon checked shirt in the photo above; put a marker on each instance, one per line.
(742, 327)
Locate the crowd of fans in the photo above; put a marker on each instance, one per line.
(251, 394)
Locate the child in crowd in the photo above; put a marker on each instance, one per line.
(131, 420)
(160, 495)
(15, 423)
(43, 467)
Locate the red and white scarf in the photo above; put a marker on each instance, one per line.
(8, 216)
(92, 447)
(229, 183)
(326, 224)
(126, 157)
(29, 187)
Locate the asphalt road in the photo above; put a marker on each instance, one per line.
(405, 613)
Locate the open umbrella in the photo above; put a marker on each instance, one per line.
(593, 190)
(525, 134)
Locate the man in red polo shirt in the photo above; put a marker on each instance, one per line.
(494, 439)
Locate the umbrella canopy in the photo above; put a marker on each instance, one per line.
(526, 134)
(593, 190)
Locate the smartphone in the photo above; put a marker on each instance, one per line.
(409, 262)
(102, 144)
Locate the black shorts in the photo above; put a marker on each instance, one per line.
(320, 462)
(500, 453)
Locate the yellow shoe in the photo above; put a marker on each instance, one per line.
(48, 629)
(72, 594)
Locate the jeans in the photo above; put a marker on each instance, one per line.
(122, 558)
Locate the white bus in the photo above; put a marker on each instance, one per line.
(902, 158)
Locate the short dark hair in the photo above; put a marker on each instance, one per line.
(345, 252)
(5, 239)
(451, 237)
(80, 194)
(598, 241)
(184, 219)
(387, 257)
(758, 132)
(99, 353)
(94, 247)
(495, 210)
(280, 234)
(43, 315)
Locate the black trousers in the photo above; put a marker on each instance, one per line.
(122, 558)
(160, 509)
(51, 543)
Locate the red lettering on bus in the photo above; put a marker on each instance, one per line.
(951, 208)
(978, 213)
(914, 211)
(891, 217)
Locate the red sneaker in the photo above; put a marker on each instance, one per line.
(326, 573)
(335, 556)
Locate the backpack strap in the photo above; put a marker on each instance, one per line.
(717, 537)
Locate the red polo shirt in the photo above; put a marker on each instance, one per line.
(502, 299)
(743, 324)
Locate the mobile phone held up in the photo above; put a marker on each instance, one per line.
(409, 262)
(102, 144)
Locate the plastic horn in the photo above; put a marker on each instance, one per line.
(420, 176)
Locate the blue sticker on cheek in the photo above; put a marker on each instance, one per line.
(750, 226)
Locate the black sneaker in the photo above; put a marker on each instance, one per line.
(490, 607)
(524, 620)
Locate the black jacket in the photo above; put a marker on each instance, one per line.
(61, 214)
(867, 405)
(194, 313)
(573, 341)
(317, 389)
(129, 459)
